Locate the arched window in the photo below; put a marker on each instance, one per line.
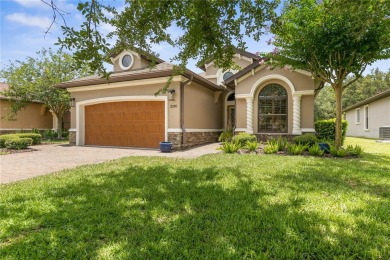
(273, 112)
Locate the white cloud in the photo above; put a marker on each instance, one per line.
(32, 3)
(29, 20)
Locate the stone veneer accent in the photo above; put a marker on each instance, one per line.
(72, 137)
(192, 139)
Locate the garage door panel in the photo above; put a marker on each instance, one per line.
(128, 123)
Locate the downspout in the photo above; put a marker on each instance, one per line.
(183, 130)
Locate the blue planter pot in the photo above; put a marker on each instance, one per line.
(165, 147)
(324, 147)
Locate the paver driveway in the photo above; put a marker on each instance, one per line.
(52, 158)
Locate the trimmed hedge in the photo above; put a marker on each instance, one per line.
(306, 139)
(326, 129)
(242, 138)
(18, 143)
(37, 138)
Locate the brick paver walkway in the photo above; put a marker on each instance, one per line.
(53, 158)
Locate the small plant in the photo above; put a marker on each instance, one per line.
(338, 152)
(242, 138)
(226, 136)
(230, 147)
(271, 147)
(4, 138)
(296, 149)
(315, 150)
(49, 134)
(354, 150)
(282, 143)
(35, 131)
(18, 143)
(252, 146)
(306, 139)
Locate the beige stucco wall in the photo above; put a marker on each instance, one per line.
(140, 90)
(200, 109)
(240, 113)
(378, 115)
(242, 63)
(33, 116)
(307, 111)
(300, 81)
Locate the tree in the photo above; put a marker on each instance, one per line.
(35, 78)
(324, 104)
(333, 39)
(370, 85)
(208, 28)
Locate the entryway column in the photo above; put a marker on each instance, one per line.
(297, 114)
(249, 115)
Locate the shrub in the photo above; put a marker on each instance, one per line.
(18, 143)
(315, 150)
(35, 131)
(4, 138)
(357, 150)
(252, 146)
(37, 138)
(271, 147)
(242, 138)
(296, 149)
(326, 129)
(338, 152)
(65, 134)
(306, 139)
(226, 136)
(49, 134)
(230, 147)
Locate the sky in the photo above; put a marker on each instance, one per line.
(24, 22)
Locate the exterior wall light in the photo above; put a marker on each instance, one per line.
(72, 102)
(171, 96)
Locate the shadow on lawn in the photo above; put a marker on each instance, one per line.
(159, 211)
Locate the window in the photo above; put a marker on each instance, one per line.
(227, 75)
(272, 109)
(366, 117)
(126, 60)
(358, 116)
(231, 97)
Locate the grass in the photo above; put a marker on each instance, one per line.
(217, 206)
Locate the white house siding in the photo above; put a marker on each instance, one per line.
(378, 115)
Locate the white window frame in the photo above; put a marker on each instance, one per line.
(366, 118)
(357, 116)
(123, 54)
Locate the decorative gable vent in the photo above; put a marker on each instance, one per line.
(384, 132)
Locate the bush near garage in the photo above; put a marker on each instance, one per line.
(18, 143)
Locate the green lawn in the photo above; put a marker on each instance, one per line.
(216, 206)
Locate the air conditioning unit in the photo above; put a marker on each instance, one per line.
(384, 132)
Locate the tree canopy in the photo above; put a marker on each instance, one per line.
(208, 28)
(333, 39)
(34, 79)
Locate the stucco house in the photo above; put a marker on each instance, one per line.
(370, 118)
(35, 115)
(124, 110)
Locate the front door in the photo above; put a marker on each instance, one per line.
(231, 117)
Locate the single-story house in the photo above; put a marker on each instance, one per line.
(124, 110)
(370, 118)
(34, 116)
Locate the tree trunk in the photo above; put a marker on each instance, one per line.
(338, 88)
(59, 126)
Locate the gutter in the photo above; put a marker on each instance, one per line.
(183, 130)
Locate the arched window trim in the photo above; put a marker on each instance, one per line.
(273, 109)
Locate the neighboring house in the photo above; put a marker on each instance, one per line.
(35, 115)
(124, 111)
(368, 117)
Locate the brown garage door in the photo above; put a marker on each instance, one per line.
(128, 123)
